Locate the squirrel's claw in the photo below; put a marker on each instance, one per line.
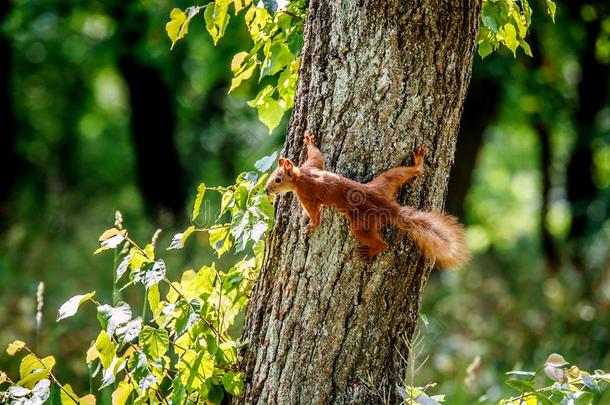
(418, 155)
(365, 253)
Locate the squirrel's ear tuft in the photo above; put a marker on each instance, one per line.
(287, 165)
(281, 161)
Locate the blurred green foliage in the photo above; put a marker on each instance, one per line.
(521, 299)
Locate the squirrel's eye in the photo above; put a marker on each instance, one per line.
(278, 179)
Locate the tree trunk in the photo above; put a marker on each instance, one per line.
(153, 119)
(480, 109)
(377, 80)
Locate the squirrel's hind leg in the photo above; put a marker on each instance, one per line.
(389, 181)
(371, 238)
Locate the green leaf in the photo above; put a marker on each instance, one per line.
(220, 240)
(551, 8)
(256, 19)
(216, 19)
(154, 342)
(32, 369)
(198, 201)
(67, 395)
(177, 18)
(510, 38)
(106, 349)
(226, 202)
(178, 391)
(522, 386)
(287, 82)
(138, 365)
(240, 5)
(490, 23)
(243, 74)
(270, 111)
(195, 368)
(70, 307)
(232, 382)
(278, 57)
(121, 393)
(583, 398)
(485, 49)
(526, 47)
(215, 393)
(154, 299)
(178, 25)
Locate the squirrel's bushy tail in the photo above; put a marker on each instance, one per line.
(439, 236)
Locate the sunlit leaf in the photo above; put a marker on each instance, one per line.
(111, 317)
(70, 307)
(243, 74)
(216, 19)
(129, 331)
(551, 8)
(123, 266)
(178, 25)
(33, 369)
(111, 238)
(154, 274)
(198, 201)
(41, 391)
(220, 239)
(105, 348)
(264, 163)
(241, 4)
(16, 391)
(179, 239)
(92, 353)
(510, 38)
(14, 347)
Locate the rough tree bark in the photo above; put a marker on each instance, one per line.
(377, 80)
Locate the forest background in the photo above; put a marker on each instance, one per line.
(98, 114)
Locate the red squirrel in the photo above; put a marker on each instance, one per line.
(368, 206)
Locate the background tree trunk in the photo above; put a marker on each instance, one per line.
(8, 159)
(377, 79)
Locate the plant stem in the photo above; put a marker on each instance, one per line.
(145, 304)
